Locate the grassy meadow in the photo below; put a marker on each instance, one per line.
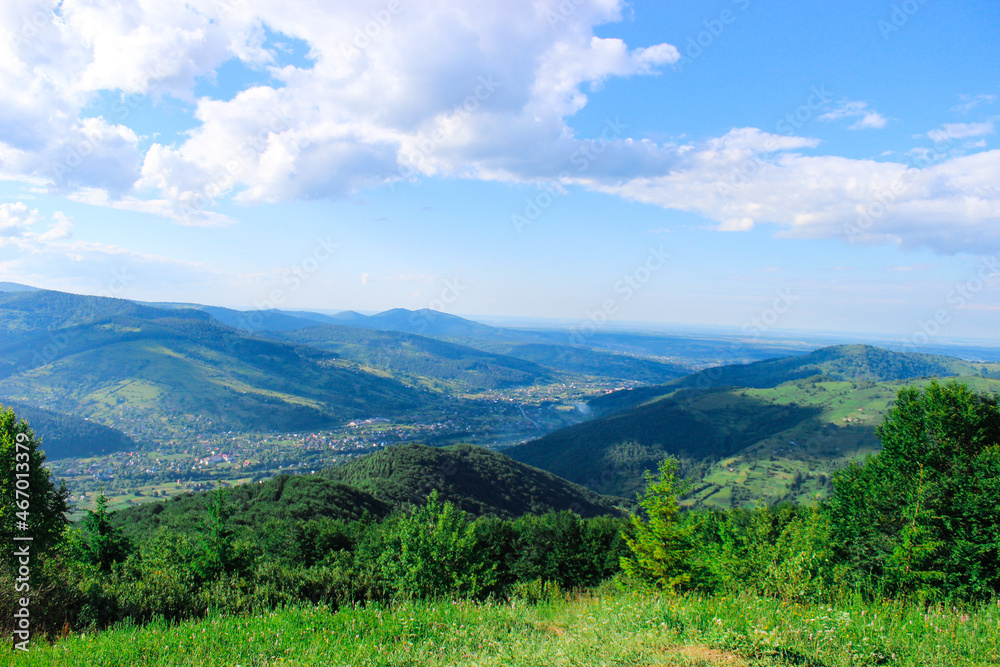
(601, 628)
(798, 463)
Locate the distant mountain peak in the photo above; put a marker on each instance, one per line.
(424, 322)
(17, 287)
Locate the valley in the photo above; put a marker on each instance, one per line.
(194, 398)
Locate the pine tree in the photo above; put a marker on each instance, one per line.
(103, 543)
(662, 546)
(923, 515)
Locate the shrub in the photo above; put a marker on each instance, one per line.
(433, 552)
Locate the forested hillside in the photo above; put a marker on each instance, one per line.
(413, 356)
(906, 534)
(780, 437)
(863, 363)
(110, 359)
(65, 435)
(612, 453)
(474, 479)
(270, 507)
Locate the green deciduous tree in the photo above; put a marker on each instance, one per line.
(30, 503)
(923, 515)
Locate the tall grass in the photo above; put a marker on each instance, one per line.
(597, 629)
(849, 634)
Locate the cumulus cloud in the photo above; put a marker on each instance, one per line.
(16, 219)
(376, 105)
(392, 91)
(371, 97)
(950, 206)
(57, 57)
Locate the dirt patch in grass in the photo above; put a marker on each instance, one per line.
(551, 628)
(700, 656)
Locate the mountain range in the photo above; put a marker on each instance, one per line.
(87, 369)
(839, 362)
(490, 352)
(117, 361)
(166, 368)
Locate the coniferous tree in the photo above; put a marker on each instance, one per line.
(662, 546)
(102, 542)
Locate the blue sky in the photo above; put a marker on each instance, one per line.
(764, 166)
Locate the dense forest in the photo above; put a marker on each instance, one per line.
(67, 436)
(613, 451)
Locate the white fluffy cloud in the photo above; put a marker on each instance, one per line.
(950, 206)
(489, 100)
(56, 57)
(16, 219)
(392, 90)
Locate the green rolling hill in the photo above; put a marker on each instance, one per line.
(446, 351)
(283, 499)
(610, 454)
(473, 354)
(779, 440)
(64, 435)
(405, 354)
(29, 313)
(837, 362)
(475, 479)
(156, 371)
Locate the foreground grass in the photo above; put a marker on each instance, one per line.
(620, 629)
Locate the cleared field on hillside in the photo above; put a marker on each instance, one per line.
(798, 463)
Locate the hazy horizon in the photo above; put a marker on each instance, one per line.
(812, 338)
